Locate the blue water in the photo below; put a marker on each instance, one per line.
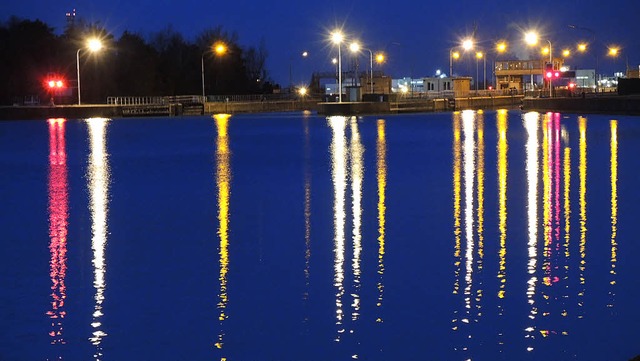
(451, 236)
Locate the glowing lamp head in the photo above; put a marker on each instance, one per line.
(455, 55)
(566, 53)
(613, 51)
(467, 44)
(94, 45)
(380, 58)
(219, 48)
(531, 38)
(337, 37)
(354, 47)
(334, 61)
(545, 51)
(302, 91)
(479, 55)
(501, 47)
(582, 47)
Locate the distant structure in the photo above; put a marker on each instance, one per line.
(71, 19)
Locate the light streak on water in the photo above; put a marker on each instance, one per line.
(457, 231)
(381, 156)
(357, 175)
(98, 183)
(531, 125)
(223, 184)
(614, 210)
(58, 227)
(480, 209)
(582, 125)
(468, 120)
(503, 165)
(339, 175)
(307, 208)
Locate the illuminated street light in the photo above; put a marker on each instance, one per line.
(93, 45)
(467, 44)
(337, 38)
(380, 58)
(582, 47)
(566, 53)
(219, 48)
(532, 38)
(355, 47)
(480, 55)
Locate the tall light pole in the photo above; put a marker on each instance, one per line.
(355, 47)
(481, 55)
(219, 48)
(336, 38)
(452, 55)
(93, 45)
(531, 38)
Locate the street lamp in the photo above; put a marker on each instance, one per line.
(452, 55)
(481, 55)
(93, 45)
(218, 48)
(336, 38)
(531, 38)
(355, 47)
(467, 44)
(501, 48)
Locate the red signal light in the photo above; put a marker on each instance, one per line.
(572, 85)
(556, 74)
(52, 84)
(549, 75)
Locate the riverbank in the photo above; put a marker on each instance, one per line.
(609, 104)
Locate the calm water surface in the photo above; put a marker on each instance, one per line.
(453, 236)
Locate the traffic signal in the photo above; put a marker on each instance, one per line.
(548, 70)
(55, 84)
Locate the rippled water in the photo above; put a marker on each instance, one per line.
(447, 236)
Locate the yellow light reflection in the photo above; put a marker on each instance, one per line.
(339, 175)
(531, 125)
(357, 175)
(223, 183)
(381, 156)
(614, 209)
(503, 165)
(582, 125)
(546, 194)
(58, 227)
(480, 209)
(98, 183)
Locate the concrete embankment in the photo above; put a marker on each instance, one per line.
(345, 108)
(609, 104)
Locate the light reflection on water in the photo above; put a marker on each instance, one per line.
(223, 185)
(58, 227)
(98, 176)
(512, 232)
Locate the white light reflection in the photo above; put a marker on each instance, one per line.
(468, 120)
(339, 175)
(223, 183)
(531, 125)
(99, 179)
(357, 175)
(457, 200)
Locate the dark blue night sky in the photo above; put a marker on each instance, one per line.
(416, 35)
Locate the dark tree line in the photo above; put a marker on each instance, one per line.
(163, 64)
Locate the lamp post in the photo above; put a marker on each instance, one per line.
(452, 55)
(93, 45)
(355, 47)
(481, 55)
(531, 38)
(336, 38)
(219, 48)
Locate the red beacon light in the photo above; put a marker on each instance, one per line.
(55, 84)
